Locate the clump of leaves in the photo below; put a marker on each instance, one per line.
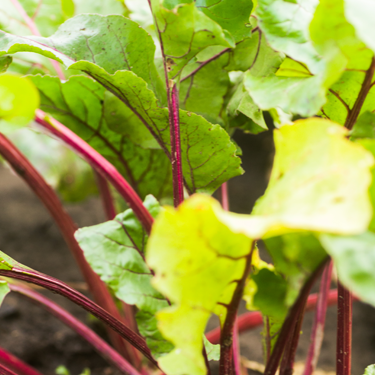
(149, 94)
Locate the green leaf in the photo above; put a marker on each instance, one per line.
(195, 258)
(111, 42)
(274, 289)
(323, 56)
(319, 182)
(370, 370)
(295, 256)
(364, 127)
(5, 61)
(213, 351)
(185, 31)
(358, 13)
(115, 251)
(18, 101)
(231, 15)
(208, 155)
(335, 39)
(4, 290)
(203, 93)
(302, 96)
(369, 144)
(271, 292)
(107, 7)
(47, 15)
(81, 104)
(68, 8)
(354, 258)
(286, 27)
(242, 103)
(256, 55)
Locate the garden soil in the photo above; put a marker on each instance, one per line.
(28, 234)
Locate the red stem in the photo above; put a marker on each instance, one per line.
(106, 351)
(236, 350)
(106, 196)
(66, 225)
(225, 196)
(317, 332)
(290, 322)
(5, 371)
(110, 211)
(287, 363)
(30, 276)
(15, 364)
(204, 63)
(174, 126)
(254, 319)
(344, 331)
(35, 31)
(176, 159)
(99, 163)
(226, 340)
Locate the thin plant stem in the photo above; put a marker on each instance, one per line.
(15, 364)
(254, 319)
(174, 125)
(225, 196)
(35, 31)
(226, 340)
(344, 331)
(106, 196)
(215, 57)
(48, 197)
(204, 63)
(317, 332)
(365, 88)
(110, 211)
(236, 338)
(99, 163)
(31, 276)
(105, 350)
(5, 371)
(236, 350)
(289, 324)
(287, 362)
(178, 179)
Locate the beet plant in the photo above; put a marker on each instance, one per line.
(149, 95)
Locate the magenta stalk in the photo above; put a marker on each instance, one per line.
(236, 350)
(174, 126)
(287, 363)
(344, 331)
(66, 225)
(5, 371)
(225, 196)
(317, 332)
(30, 276)
(176, 158)
(289, 324)
(106, 351)
(106, 196)
(252, 319)
(99, 163)
(226, 339)
(34, 29)
(13, 363)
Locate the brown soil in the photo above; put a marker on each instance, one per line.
(28, 234)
